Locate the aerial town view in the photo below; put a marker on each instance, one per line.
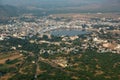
(59, 40)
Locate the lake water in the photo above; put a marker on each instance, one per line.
(67, 32)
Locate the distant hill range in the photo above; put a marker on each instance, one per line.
(7, 11)
(46, 7)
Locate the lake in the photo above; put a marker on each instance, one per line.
(68, 32)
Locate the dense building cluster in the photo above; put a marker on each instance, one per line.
(104, 36)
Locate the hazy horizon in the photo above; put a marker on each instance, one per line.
(63, 6)
(82, 4)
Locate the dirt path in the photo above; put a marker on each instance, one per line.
(2, 61)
